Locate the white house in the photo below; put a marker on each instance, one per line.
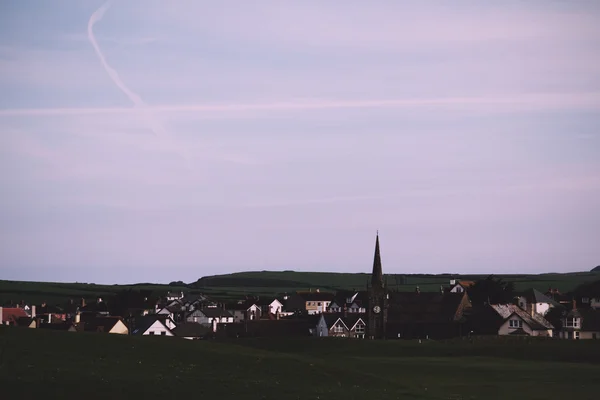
(149, 326)
(457, 286)
(206, 316)
(519, 322)
(271, 307)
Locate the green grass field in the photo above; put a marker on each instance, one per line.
(48, 364)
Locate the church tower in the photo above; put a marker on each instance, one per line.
(378, 299)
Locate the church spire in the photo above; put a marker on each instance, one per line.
(377, 275)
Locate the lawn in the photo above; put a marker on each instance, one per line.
(48, 364)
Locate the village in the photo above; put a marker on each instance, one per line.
(374, 313)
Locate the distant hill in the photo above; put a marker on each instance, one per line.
(289, 281)
(597, 269)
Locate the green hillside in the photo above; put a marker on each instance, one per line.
(273, 281)
(35, 364)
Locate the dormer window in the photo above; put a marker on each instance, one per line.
(515, 323)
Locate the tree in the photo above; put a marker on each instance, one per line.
(491, 291)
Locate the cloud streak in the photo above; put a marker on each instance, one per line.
(157, 128)
(515, 102)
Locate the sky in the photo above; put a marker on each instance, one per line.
(153, 141)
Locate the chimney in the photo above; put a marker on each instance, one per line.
(0, 315)
(574, 305)
(32, 311)
(49, 318)
(82, 302)
(317, 290)
(277, 314)
(77, 318)
(345, 310)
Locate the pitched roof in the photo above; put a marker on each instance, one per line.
(535, 296)
(12, 314)
(241, 305)
(190, 329)
(24, 321)
(349, 320)
(141, 324)
(424, 306)
(535, 321)
(590, 320)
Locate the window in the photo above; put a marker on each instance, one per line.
(319, 304)
(594, 336)
(585, 300)
(572, 322)
(151, 333)
(515, 323)
(163, 333)
(338, 329)
(576, 335)
(360, 328)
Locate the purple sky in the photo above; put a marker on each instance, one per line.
(158, 141)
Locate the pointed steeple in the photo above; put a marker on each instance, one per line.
(377, 275)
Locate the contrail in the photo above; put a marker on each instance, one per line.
(134, 97)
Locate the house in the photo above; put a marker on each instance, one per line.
(269, 306)
(457, 286)
(588, 295)
(191, 331)
(11, 315)
(244, 310)
(107, 325)
(581, 324)
(426, 315)
(339, 325)
(206, 316)
(532, 300)
(174, 296)
(310, 303)
(517, 321)
(353, 302)
(150, 325)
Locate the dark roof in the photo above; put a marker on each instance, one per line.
(361, 298)
(535, 296)
(141, 324)
(240, 305)
(190, 329)
(424, 306)
(215, 312)
(101, 324)
(265, 301)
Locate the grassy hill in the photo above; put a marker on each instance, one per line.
(37, 364)
(270, 281)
